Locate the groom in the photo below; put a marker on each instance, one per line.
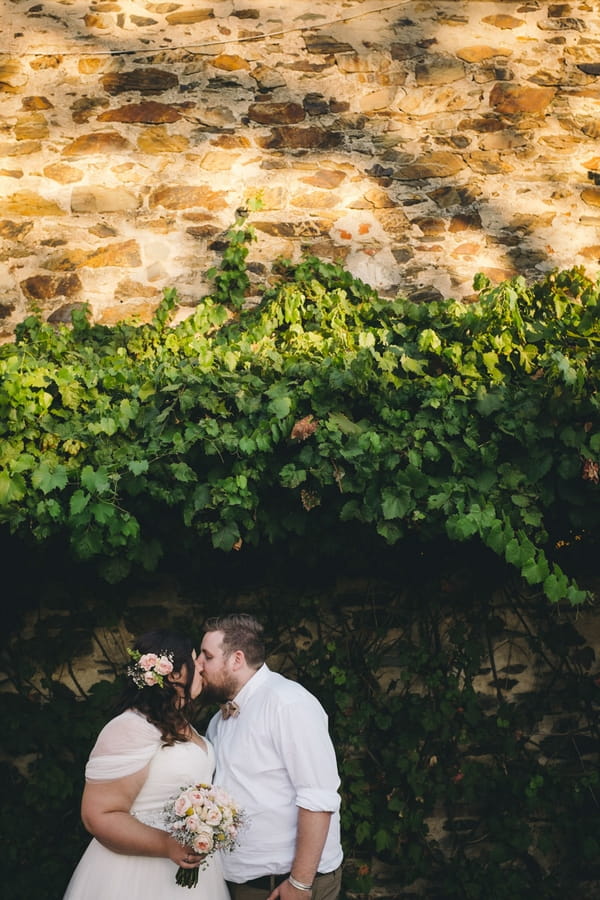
(275, 757)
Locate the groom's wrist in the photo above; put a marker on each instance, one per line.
(300, 885)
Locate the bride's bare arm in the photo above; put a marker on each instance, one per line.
(105, 814)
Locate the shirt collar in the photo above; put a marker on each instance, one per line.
(252, 685)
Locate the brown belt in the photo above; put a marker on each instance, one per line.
(266, 882)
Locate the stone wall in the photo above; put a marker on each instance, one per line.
(419, 142)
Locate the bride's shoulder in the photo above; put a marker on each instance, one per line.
(125, 745)
(130, 726)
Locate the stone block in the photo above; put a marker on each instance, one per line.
(513, 99)
(148, 113)
(276, 113)
(48, 287)
(29, 203)
(178, 197)
(98, 199)
(144, 81)
(157, 140)
(97, 144)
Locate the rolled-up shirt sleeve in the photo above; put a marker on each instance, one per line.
(303, 739)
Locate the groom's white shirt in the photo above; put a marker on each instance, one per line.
(274, 757)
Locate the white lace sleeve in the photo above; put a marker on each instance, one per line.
(125, 745)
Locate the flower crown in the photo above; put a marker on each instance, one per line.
(149, 669)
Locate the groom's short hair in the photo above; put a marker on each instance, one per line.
(241, 631)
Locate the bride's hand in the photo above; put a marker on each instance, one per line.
(183, 856)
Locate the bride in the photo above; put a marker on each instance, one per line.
(141, 759)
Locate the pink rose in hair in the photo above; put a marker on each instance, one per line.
(163, 666)
(148, 661)
(150, 678)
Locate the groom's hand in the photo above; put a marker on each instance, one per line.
(285, 891)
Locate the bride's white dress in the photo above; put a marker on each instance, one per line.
(125, 745)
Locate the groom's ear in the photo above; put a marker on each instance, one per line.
(238, 658)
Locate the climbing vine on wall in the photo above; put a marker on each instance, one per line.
(459, 797)
(323, 405)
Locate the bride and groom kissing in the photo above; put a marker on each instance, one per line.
(268, 748)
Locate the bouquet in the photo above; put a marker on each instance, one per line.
(205, 819)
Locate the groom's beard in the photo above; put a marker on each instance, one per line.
(219, 693)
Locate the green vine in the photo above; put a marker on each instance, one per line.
(458, 795)
(323, 407)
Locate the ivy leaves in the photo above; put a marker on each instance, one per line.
(475, 421)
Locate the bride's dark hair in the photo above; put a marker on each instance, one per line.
(160, 704)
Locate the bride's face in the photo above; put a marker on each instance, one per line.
(180, 678)
(197, 683)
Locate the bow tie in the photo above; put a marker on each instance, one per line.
(230, 709)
